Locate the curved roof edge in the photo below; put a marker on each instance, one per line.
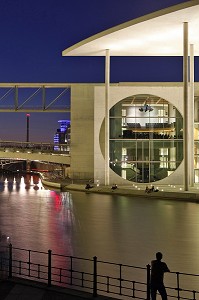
(69, 51)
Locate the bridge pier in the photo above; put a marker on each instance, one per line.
(28, 162)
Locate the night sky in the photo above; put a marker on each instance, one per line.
(33, 34)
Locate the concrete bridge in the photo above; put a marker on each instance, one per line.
(44, 152)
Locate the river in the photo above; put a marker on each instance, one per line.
(120, 229)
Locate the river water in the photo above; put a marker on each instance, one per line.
(120, 229)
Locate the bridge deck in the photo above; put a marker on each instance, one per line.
(35, 151)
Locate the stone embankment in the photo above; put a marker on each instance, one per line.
(165, 192)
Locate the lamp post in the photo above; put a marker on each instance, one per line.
(27, 127)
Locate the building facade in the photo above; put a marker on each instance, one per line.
(62, 136)
(139, 132)
(145, 136)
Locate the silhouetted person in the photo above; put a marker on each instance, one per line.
(88, 186)
(114, 186)
(158, 268)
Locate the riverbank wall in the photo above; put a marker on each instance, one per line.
(165, 192)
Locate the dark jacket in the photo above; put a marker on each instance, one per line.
(158, 268)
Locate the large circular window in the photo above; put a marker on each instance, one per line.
(146, 138)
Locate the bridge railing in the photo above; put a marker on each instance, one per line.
(91, 275)
(15, 146)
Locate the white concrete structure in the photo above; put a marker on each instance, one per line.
(87, 125)
(46, 157)
(168, 32)
(156, 34)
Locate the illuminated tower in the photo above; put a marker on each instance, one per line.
(62, 136)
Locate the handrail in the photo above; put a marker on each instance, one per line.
(35, 147)
(91, 275)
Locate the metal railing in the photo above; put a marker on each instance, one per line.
(35, 97)
(91, 275)
(15, 146)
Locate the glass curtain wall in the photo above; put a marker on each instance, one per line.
(146, 138)
(196, 139)
(196, 151)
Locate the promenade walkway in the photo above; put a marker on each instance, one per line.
(170, 192)
(21, 289)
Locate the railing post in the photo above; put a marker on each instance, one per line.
(148, 281)
(29, 263)
(194, 295)
(178, 284)
(10, 261)
(71, 270)
(120, 279)
(49, 266)
(94, 276)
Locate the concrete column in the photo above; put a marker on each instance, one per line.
(185, 105)
(28, 162)
(196, 110)
(191, 117)
(107, 85)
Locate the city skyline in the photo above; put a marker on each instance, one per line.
(34, 34)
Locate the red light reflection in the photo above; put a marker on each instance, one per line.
(57, 199)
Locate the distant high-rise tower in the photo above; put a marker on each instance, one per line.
(62, 136)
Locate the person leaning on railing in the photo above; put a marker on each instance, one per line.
(158, 268)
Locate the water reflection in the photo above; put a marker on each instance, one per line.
(34, 217)
(13, 182)
(114, 228)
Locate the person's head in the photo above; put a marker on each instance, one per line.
(159, 255)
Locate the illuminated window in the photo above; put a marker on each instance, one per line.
(146, 138)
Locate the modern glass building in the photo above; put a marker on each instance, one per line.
(140, 132)
(62, 136)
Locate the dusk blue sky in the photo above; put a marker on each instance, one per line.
(34, 33)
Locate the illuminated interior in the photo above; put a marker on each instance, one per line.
(146, 138)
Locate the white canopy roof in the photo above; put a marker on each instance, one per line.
(156, 34)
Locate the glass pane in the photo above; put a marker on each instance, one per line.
(196, 162)
(196, 176)
(196, 132)
(116, 110)
(116, 128)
